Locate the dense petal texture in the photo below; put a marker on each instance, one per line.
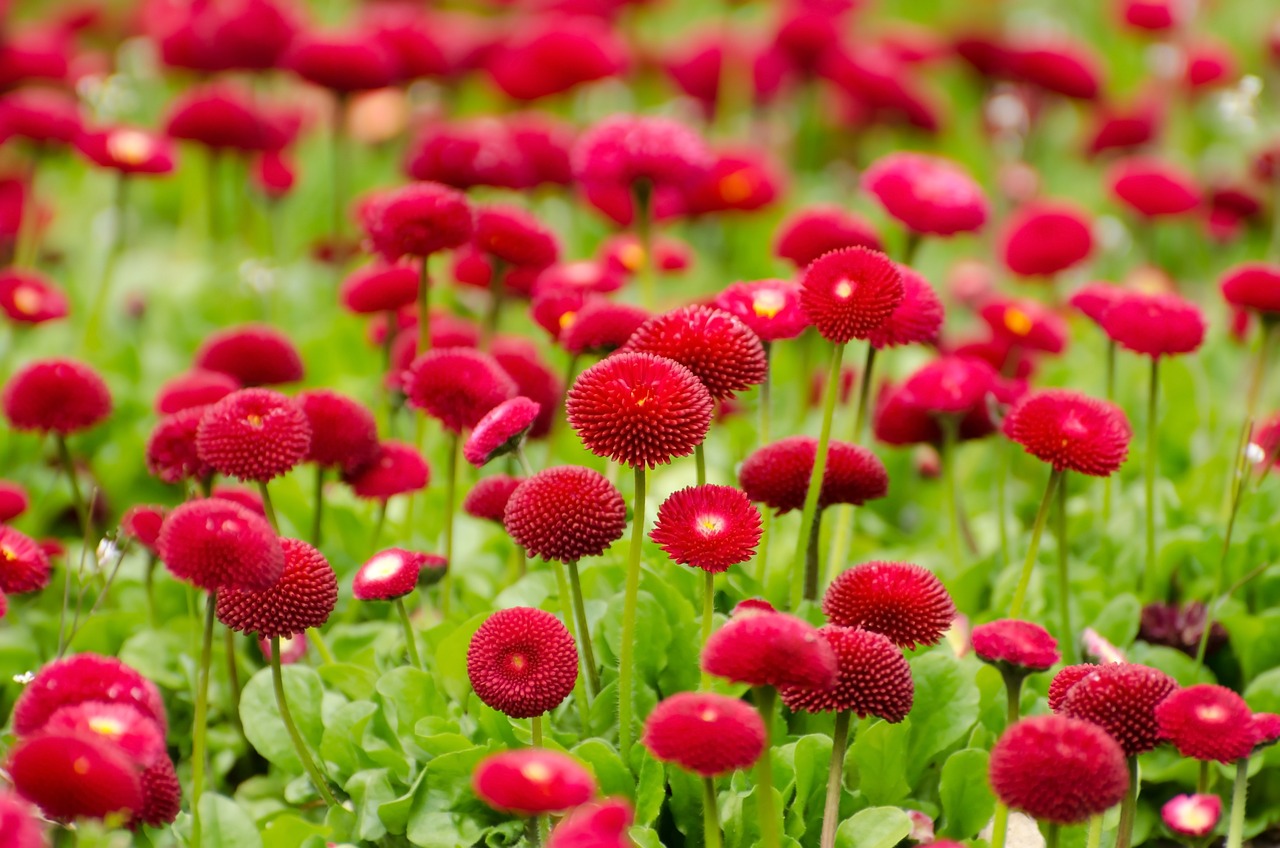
(60, 396)
(1154, 324)
(849, 294)
(1022, 646)
(457, 386)
(720, 350)
(418, 219)
(69, 776)
(303, 597)
(532, 782)
(395, 469)
(771, 308)
(708, 527)
(904, 602)
(1207, 722)
(873, 679)
(1071, 431)
(522, 662)
(214, 544)
(81, 678)
(705, 733)
(927, 194)
(487, 499)
(565, 513)
(500, 431)
(602, 824)
(770, 649)
(1121, 698)
(343, 432)
(253, 434)
(24, 566)
(254, 354)
(387, 575)
(777, 474)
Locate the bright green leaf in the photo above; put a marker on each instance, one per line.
(874, 827)
(967, 801)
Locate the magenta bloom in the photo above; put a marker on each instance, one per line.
(417, 220)
(500, 431)
(708, 527)
(927, 194)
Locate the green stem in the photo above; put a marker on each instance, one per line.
(1128, 807)
(338, 162)
(566, 612)
(1037, 530)
(700, 464)
(149, 579)
(200, 722)
(497, 293)
(450, 498)
(267, 506)
(766, 696)
(522, 458)
(388, 343)
(584, 627)
(1153, 390)
(1239, 795)
(424, 307)
(1202, 779)
(1094, 837)
(1000, 826)
(317, 513)
(1002, 450)
(845, 515)
(90, 338)
(410, 640)
(379, 521)
(708, 616)
(710, 813)
(642, 197)
(1067, 640)
(627, 650)
(69, 468)
(835, 779)
(1237, 495)
(299, 746)
(322, 648)
(1051, 834)
(1012, 698)
(26, 250)
(811, 564)
(233, 677)
(535, 733)
(809, 516)
(765, 419)
(864, 394)
(950, 439)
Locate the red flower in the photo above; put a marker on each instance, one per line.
(343, 432)
(60, 396)
(705, 733)
(488, 498)
(379, 287)
(602, 824)
(874, 678)
(1152, 188)
(532, 782)
(132, 731)
(916, 320)
(625, 150)
(42, 116)
(343, 62)
(551, 54)
(719, 349)
(1061, 67)
(19, 824)
(81, 678)
(1058, 769)
(1266, 729)
(254, 354)
(601, 327)
(274, 174)
(770, 649)
(418, 219)
(253, 434)
(196, 387)
(1207, 723)
(28, 298)
(161, 795)
(1125, 128)
(221, 117)
(1255, 286)
(1064, 680)
(639, 409)
(1121, 698)
(742, 179)
(905, 602)
(127, 150)
(13, 501)
(1094, 299)
(777, 474)
(522, 662)
(1043, 239)
(245, 497)
(142, 522)
(926, 193)
(1026, 324)
(1154, 324)
(500, 431)
(707, 527)
(303, 597)
(1153, 16)
(565, 514)
(388, 575)
(396, 469)
(513, 236)
(457, 386)
(1071, 431)
(951, 385)
(23, 564)
(771, 308)
(1192, 815)
(849, 294)
(172, 455)
(1020, 646)
(534, 380)
(70, 776)
(215, 544)
(811, 232)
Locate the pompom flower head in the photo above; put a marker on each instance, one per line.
(1192, 815)
(380, 287)
(771, 308)
(927, 194)
(418, 219)
(1071, 431)
(343, 431)
(1254, 286)
(848, 294)
(1015, 647)
(303, 597)
(457, 386)
(172, 452)
(1066, 678)
(500, 431)
(705, 733)
(69, 776)
(601, 326)
(24, 566)
(639, 409)
(565, 513)
(873, 678)
(905, 602)
(215, 544)
(1152, 188)
(60, 396)
(79, 679)
(917, 319)
(1043, 239)
(195, 388)
(821, 229)
(602, 824)
(1121, 698)
(387, 575)
(1207, 722)
(395, 469)
(522, 662)
(719, 349)
(770, 649)
(1058, 770)
(777, 474)
(253, 434)
(708, 527)
(532, 782)
(488, 498)
(254, 354)
(1154, 324)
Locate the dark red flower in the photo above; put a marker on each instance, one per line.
(28, 298)
(926, 193)
(533, 781)
(762, 648)
(1192, 815)
(500, 431)
(418, 219)
(905, 602)
(743, 179)
(777, 474)
(522, 662)
(1058, 769)
(142, 522)
(1254, 286)
(565, 513)
(1151, 15)
(196, 387)
(221, 117)
(70, 776)
(396, 469)
(42, 116)
(132, 731)
(488, 498)
(811, 232)
(387, 575)
(1266, 729)
(60, 396)
(24, 567)
(342, 61)
(254, 354)
(1071, 431)
(625, 254)
(916, 320)
(303, 597)
(951, 385)
(1043, 239)
(1066, 678)
(1125, 127)
(1094, 299)
(707, 527)
(1208, 64)
(771, 308)
(81, 678)
(457, 386)
(520, 359)
(1207, 722)
(172, 453)
(639, 409)
(214, 544)
(705, 733)
(512, 235)
(274, 174)
(1027, 324)
(1121, 698)
(1154, 324)
(849, 294)
(127, 150)
(719, 349)
(874, 678)
(1020, 646)
(551, 54)
(601, 824)
(242, 495)
(601, 327)
(1153, 188)
(379, 287)
(253, 434)
(19, 824)
(13, 501)
(343, 432)
(1062, 67)
(161, 795)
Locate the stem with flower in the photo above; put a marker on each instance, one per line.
(809, 516)
(626, 658)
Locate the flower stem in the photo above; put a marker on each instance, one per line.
(766, 696)
(1067, 640)
(765, 420)
(300, 746)
(580, 611)
(1037, 530)
(450, 497)
(710, 813)
(424, 307)
(1128, 807)
(317, 513)
(1239, 794)
(627, 650)
(700, 464)
(811, 569)
(1002, 491)
(835, 779)
(864, 394)
(1051, 834)
(338, 162)
(1202, 779)
(809, 516)
(642, 197)
(1094, 837)
(1150, 480)
(497, 293)
(200, 722)
(233, 677)
(267, 506)
(90, 338)
(379, 521)
(1013, 698)
(69, 468)
(708, 617)
(1238, 477)
(999, 826)
(1107, 551)
(535, 731)
(566, 612)
(950, 438)
(845, 514)
(388, 342)
(410, 640)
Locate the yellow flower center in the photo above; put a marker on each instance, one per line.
(106, 726)
(1016, 321)
(129, 146)
(710, 524)
(844, 289)
(631, 256)
(536, 773)
(735, 187)
(26, 300)
(768, 303)
(255, 421)
(382, 566)
(709, 715)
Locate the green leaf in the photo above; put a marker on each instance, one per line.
(407, 695)
(340, 744)
(444, 830)
(1263, 693)
(612, 775)
(369, 790)
(224, 825)
(261, 718)
(451, 657)
(1118, 621)
(354, 681)
(653, 634)
(945, 708)
(811, 758)
(290, 831)
(967, 802)
(880, 754)
(874, 827)
(651, 789)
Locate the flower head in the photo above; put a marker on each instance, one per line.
(624, 150)
(763, 648)
(1019, 646)
(601, 326)
(387, 575)
(142, 523)
(1152, 188)
(128, 150)
(532, 782)
(172, 453)
(253, 434)
(380, 287)
(926, 193)
(812, 232)
(344, 62)
(708, 527)
(13, 501)
(553, 54)
(1254, 286)
(601, 824)
(705, 733)
(19, 824)
(123, 725)
(303, 597)
(1026, 324)
(849, 294)
(512, 235)
(1121, 698)
(418, 219)
(60, 396)
(1207, 722)
(195, 388)
(534, 380)
(771, 308)
(343, 432)
(254, 354)
(1066, 678)
(1043, 239)
(916, 320)
(396, 469)
(70, 775)
(1058, 769)
(500, 431)
(905, 602)
(777, 474)
(1094, 299)
(24, 567)
(1192, 815)
(1154, 324)
(28, 298)
(719, 349)
(82, 678)
(215, 544)
(161, 795)
(1071, 431)
(873, 679)
(488, 498)
(457, 386)
(639, 409)
(565, 514)
(522, 662)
